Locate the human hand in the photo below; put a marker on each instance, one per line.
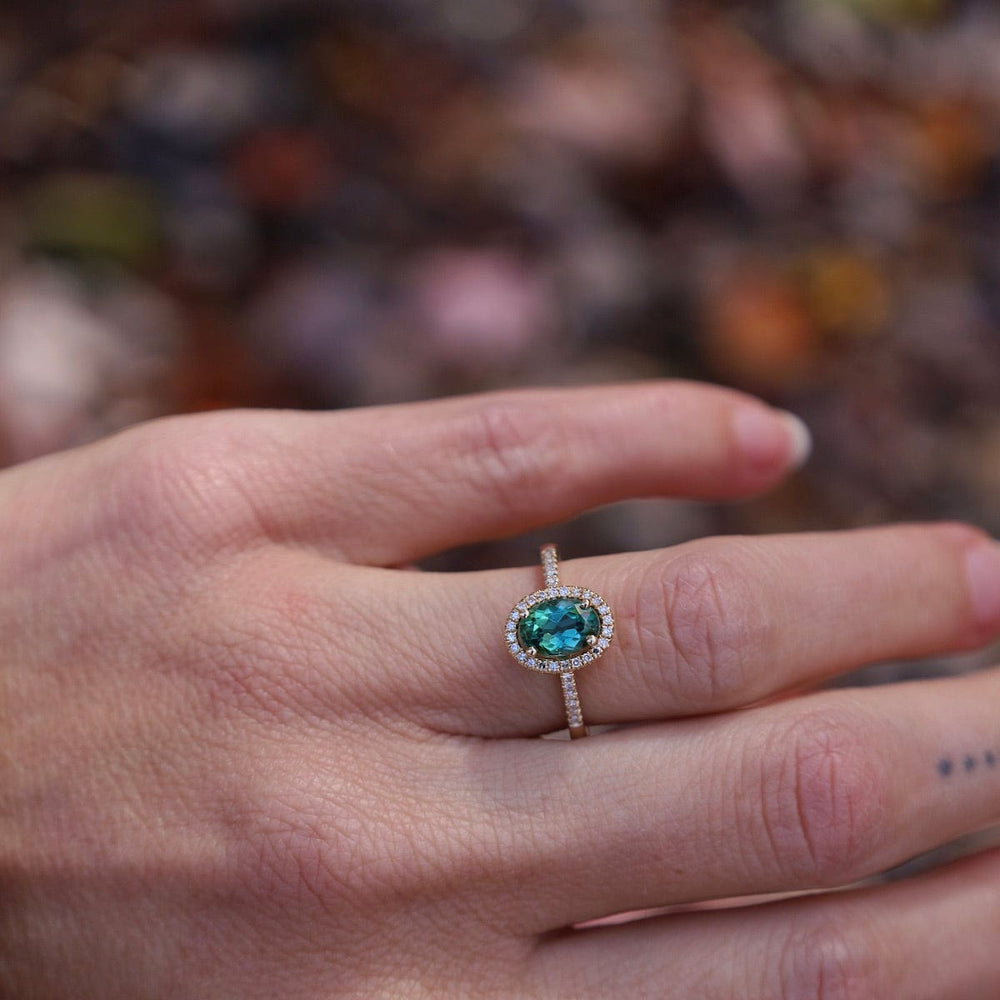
(242, 756)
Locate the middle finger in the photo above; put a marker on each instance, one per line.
(814, 792)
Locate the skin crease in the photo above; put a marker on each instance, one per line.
(243, 756)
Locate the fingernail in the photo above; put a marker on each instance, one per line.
(769, 438)
(802, 440)
(982, 564)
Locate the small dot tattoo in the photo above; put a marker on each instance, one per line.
(991, 758)
(970, 763)
(944, 767)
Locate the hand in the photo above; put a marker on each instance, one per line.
(244, 757)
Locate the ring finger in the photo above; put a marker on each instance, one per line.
(712, 625)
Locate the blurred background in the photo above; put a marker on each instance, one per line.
(213, 203)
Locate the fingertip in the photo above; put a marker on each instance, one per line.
(771, 441)
(982, 563)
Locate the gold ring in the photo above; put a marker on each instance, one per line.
(558, 630)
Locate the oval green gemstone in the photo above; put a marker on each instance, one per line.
(558, 628)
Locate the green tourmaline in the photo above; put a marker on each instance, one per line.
(558, 628)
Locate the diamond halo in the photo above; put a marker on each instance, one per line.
(538, 661)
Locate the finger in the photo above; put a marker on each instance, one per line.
(388, 485)
(714, 624)
(928, 938)
(816, 792)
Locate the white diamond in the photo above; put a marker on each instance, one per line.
(602, 643)
(603, 609)
(522, 656)
(587, 657)
(607, 630)
(532, 663)
(576, 662)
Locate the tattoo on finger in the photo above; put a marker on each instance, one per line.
(946, 766)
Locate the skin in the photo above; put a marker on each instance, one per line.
(245, 753)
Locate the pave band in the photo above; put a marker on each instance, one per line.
(558, 630)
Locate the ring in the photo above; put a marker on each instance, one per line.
(558, 630)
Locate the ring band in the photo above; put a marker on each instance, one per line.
(558, 630)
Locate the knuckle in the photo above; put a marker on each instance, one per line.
(328, 841)
(255, 651)
(823, 800)
(186, 479)
(698, 625)
(507, 452)
(832, 958)
(289, 847)
(276, 642)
